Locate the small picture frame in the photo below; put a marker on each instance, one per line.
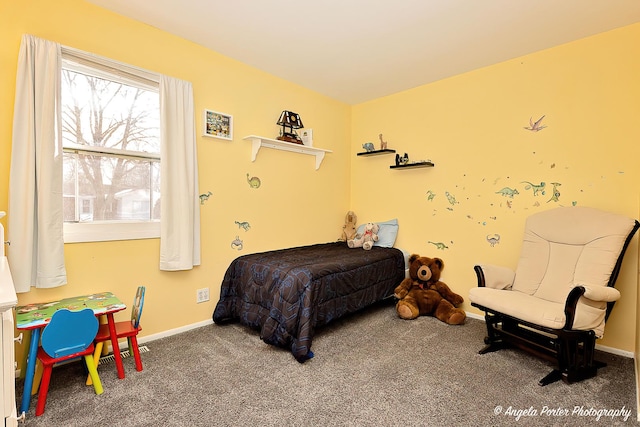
(307, 137)
(218, 125)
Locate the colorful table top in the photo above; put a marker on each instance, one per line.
(32, 316)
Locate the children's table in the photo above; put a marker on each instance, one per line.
(35, 317)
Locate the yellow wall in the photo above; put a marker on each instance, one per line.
(472, 127)
(295, 204)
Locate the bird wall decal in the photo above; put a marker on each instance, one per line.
(535, 127)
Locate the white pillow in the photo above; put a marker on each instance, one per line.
(387, 233)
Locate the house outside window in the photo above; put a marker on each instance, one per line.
(111, 144)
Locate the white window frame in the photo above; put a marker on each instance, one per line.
(101, 231)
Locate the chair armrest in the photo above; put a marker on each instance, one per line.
(601, 293)
(494, 276)
(594, 293)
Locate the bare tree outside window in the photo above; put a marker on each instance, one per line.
(111, 143)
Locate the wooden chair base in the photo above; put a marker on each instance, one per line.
(573, 351)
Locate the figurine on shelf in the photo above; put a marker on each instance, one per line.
(368, 146)
(401, 161)
(383, 143)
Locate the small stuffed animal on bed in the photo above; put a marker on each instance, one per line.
(349, 227)
(367, 238)
(423, 294)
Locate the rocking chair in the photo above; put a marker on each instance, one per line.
(555, 304)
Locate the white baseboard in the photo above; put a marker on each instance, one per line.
(616, 351)
(163, 334)
(475, 316)
(174, 331)
(612, 350)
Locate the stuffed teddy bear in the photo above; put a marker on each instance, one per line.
(423, 294)
(368, 237)
(349, 227)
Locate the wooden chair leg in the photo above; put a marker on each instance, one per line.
(93, 373)
(44, 388)
(96, 360)
(550, 378)
(37, 377)
(133, 349)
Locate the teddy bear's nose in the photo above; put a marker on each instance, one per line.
(424, 273)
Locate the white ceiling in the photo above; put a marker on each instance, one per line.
(358, 50)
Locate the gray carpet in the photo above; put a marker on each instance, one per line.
(369, 369)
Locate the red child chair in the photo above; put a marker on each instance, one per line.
(125, 329)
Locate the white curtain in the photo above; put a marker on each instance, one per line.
(36, 253)
(180, 210)
(35, 220)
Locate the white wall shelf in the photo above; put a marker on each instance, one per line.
(259, 142)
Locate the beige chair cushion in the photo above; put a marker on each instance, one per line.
(589, 314)
(498, 277)
(566, 247)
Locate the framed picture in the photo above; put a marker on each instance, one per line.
(218, 125)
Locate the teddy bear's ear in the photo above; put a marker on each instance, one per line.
(413, 257)
(439, 263)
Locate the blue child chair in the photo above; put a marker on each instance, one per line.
(68, 335)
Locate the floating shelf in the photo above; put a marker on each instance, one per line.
(377, 152)
(260, 141)
(413, 165)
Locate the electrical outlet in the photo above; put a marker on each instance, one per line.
(202, 295)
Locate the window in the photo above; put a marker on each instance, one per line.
(111, 142)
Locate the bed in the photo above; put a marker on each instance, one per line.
(286, 294)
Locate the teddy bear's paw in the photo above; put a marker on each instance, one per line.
(457, 300)
(406, 312)
(457, 317)
(399, 295)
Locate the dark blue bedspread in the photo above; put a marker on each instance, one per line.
(285, 294)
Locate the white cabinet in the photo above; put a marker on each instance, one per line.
(8, 300)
